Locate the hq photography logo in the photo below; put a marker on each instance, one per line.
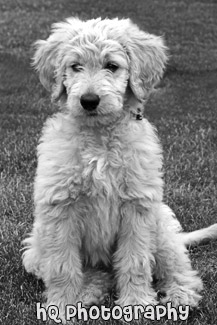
(127, 313)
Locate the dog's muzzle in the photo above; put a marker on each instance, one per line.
(89, 101)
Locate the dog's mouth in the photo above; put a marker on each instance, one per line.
(92, 113)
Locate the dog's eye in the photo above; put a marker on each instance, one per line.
(111, 66)
(76, 67)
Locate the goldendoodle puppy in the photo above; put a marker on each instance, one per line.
(98, 188)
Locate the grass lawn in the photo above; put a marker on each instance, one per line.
(184, 109)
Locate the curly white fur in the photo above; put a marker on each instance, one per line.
(98, 188)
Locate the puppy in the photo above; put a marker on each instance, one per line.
(98, 189)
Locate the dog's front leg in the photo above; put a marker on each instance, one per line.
(134, 259)
(54, 246)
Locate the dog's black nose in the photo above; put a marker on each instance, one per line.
(89, 101)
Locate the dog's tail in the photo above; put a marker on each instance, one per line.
(200, 236)
(194, 238)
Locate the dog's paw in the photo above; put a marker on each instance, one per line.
(58, 314)
(180, 295)
(31, 261)
(136, 300)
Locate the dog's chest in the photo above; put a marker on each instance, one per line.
(102, 172)
(102, 165)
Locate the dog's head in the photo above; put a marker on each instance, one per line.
(99, 67)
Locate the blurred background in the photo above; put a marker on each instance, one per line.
(183, 108)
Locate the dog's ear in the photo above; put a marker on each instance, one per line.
(45, 61)
(47, 57)
(148, 56)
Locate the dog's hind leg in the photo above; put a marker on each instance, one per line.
(32, 251)
(175, 277)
